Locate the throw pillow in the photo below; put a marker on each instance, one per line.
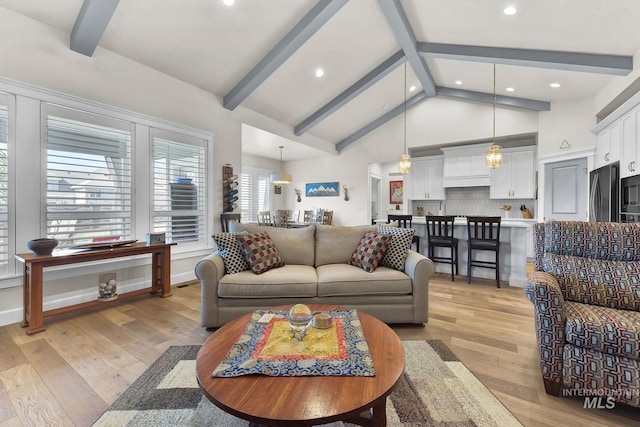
(260, 252)
(396, 254)
(370, 250)
(229, 249)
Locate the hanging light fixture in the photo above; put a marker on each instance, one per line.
(404, 164)
(493, 157)
(281, 178)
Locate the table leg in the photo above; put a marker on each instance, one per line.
(34, 303)
(26, 292)
(161, 274)
(376, 417)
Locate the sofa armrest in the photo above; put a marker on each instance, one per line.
(543, 290)
(209, 270)
(420, 269)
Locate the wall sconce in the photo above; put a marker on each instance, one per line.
(297, 190)
(346, 193)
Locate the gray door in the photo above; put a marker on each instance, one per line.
(565, 190)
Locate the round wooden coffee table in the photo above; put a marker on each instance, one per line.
(309, 400)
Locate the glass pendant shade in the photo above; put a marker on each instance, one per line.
(494, 156)
(281, 178)
(405, 164)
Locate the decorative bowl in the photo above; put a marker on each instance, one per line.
(42, 246)
(184, 180)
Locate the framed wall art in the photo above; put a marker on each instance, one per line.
(323, 189)
(396, 190)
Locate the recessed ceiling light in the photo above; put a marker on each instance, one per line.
(412, 88)
(458, 82)
(385, 106)
(510, 10)
(228, 2)
(510, 89)
(319, 72)
(555, 85)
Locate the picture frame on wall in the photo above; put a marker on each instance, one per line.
(396, 191)
(322, 189)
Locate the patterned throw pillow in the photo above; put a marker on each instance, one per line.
(260, 252)
(229, 249)
(370, 250)
(396, 254)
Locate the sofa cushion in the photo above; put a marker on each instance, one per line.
(296, 245)
(344, 279)
(603, 329)
(335, 244)
(294, 281)
(613, 284)
(260, 252)
(229, 249)
(370, 250)
(396, 253)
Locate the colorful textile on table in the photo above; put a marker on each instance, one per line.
(270, 349)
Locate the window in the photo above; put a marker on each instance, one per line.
(4, 193)
(254, 187)
(178, 186)
(88, 177)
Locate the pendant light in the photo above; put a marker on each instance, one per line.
(281, 178)
(493, 156)
(404, 164)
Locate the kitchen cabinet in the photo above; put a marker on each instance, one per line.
(515, 179)
(630, 152)
(608, 145)
(426, 178)
(465, 166)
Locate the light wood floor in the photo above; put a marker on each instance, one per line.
(69, 374)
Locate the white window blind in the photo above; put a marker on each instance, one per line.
(254, 186)
(88, 180)
(179, 189)
(4, 193)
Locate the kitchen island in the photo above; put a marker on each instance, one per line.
(513, 249)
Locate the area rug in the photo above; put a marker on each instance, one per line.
(436, 389)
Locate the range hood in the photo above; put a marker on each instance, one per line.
(465, 166)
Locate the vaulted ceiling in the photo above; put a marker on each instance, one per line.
(263, 54)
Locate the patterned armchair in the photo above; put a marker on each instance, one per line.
(586, 294)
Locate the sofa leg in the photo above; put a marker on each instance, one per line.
(552, 387)
(211, 329)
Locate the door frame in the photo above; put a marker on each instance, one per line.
(588, 153)
(378, 178)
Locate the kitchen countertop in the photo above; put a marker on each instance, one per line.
(506, 222)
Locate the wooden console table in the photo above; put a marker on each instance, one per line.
(33, 275)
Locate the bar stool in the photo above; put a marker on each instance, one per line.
(484, 235)
(404, 221)
(440, 235)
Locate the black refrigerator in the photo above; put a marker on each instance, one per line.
(604, 194)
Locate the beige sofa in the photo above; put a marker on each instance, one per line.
(316, 271)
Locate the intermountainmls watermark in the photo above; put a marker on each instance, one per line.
(601, 398)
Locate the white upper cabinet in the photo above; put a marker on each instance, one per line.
(630, 152)
(426, 178)
(515, 179)
(609, 145)
(465, 166)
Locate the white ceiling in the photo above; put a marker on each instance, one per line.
(212, 46)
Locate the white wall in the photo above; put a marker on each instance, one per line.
(572, 121)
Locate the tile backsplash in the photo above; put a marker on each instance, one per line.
(472, 201)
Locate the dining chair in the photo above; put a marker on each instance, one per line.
(327, 217)
(484, 235)
(309, 216)
(440, 235)
(226, 218)
(281, 218)
(405, 221)
(264, 218)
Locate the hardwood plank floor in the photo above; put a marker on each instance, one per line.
(69, 374)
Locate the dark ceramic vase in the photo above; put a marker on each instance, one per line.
(42, 246)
